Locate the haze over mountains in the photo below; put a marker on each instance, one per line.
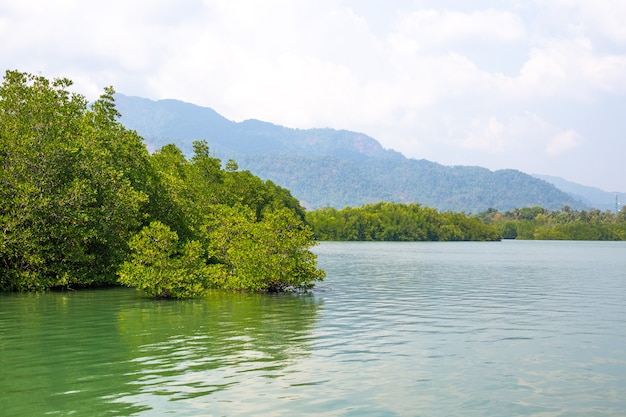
(338, 168)
(590, 196)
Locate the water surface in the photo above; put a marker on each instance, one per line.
(397, 329)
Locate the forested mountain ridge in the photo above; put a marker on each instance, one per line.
(336, 168)
(161, 122)
(591, 196)
(337, 182)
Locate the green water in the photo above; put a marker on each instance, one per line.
(397, 329)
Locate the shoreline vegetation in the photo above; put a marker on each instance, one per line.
(537, 223)
(83, 204)
(386, 221)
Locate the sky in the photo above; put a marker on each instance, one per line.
(534, 85)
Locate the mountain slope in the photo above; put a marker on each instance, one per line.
(338, 168)
(591, 196)
(331, 181)
(161, 122)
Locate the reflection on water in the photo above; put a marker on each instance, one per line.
(112, 352)
(397, 329)
(184, 351)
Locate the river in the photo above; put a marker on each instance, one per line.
(512, 328)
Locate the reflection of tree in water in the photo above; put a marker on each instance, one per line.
(60, 354)
(192, 348)
(109, 352)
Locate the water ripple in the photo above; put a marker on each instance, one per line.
(407, 329)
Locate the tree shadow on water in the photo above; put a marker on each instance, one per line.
(112, 352)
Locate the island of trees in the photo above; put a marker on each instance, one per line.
(397, 222)
(83, 203)
(386, 221)
(537, 223)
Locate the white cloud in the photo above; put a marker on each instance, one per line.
(599, 17)
(486, 135)
(431, 28)
(570, 68)
(429, 81)
(517, 134)
(563, 141)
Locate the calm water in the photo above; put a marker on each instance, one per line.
(397, 329)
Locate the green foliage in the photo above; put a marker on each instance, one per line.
(77, 188)
(266, 255)
(397, 222)
(67, 199)
(163, 267)
(246, 234)
(566, 224)
(508, 230)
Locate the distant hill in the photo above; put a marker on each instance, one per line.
(330, 181)
(591, 196)
(172, 121)
(338, 168)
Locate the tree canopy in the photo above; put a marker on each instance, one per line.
(68, 203)
(537, 223)
(397, 222)
(83, 203)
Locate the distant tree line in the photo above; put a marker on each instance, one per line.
(386, 221)
(82, 203)
(397, 222)
(565, 224)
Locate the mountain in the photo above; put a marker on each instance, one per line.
(172, 121)
(331, 181)
(338, 168)
(591, 196)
